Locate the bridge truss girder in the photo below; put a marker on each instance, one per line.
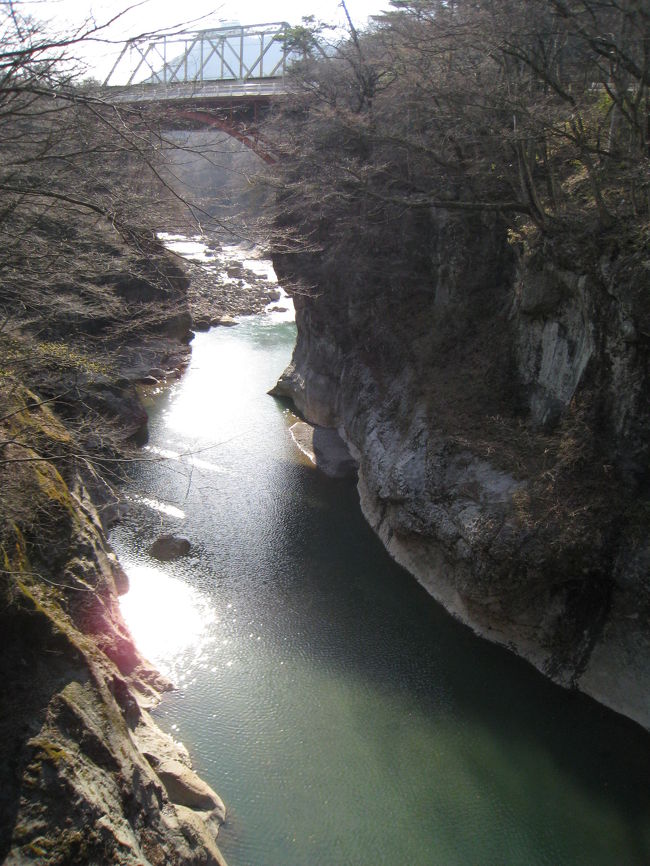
(232, 53)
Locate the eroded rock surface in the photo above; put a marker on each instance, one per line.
(324, 448)
(185, 788)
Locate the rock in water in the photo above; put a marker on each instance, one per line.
(168, 547)
(325, 448)
(185, 788)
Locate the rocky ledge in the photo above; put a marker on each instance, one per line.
(322, 446)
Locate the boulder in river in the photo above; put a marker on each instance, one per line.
(325, 449)
(225, 321)
(168, 547)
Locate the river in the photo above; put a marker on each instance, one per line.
(343, 716)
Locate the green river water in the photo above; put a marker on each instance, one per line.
(343, 716)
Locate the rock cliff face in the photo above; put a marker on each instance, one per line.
(496, 401)
(85, 775)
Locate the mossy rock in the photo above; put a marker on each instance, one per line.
(47, 750)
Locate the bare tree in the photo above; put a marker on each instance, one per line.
(82, 274)
(537, 109)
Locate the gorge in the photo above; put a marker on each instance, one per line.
(320, 689)
(459, 215)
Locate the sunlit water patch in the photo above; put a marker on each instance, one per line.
(171, 620)
(189, 458)
(195, 248)
(159, 506)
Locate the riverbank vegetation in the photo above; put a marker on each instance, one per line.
(521, 126)
(91, 304)
(537, 111)
(84, 283)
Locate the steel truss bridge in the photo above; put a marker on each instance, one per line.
(224, 77)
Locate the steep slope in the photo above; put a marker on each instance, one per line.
(82, 763)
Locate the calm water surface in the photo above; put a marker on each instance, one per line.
(344, 718)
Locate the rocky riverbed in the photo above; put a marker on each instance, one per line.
(245, 284)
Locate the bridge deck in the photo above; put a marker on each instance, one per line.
(215, 91)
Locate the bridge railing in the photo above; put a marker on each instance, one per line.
(230, 53)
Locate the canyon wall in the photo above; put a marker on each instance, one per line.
(494, 393)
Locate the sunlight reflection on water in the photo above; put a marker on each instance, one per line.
(169, 620)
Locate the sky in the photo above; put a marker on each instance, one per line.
(151, 15)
